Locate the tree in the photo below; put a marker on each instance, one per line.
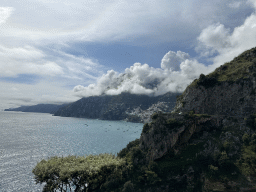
(76, 173)
(128, 187)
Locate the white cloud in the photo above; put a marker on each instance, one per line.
(252, 2)
(142, 79)
(228, 44)
(30, 94)
(27, 32)
(77, 20)
(215, 37)
(191, 69)
(26, 60)
(235, 4)
(25, 53)
(172, 60)
(30, 60)
(178, 69)
(5, 13)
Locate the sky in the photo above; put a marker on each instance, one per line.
(57, 51)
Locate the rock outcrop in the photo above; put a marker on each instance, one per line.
(229, 90)
(210, 131)
(170, 132)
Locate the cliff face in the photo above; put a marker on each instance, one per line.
(126, 106)
(229, 90)
(169, 133)
(232, 99)
(211, 131)
(191, 152)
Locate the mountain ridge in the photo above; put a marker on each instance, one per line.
(125, 106)
(39, 108)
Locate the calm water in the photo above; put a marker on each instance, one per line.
(27, 138)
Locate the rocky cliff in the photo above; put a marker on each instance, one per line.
(210, 132)
(229, 90)
(126, 106)
(207, 143)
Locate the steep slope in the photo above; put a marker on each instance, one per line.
(208, 142)
(126, 106)
(89, 107)
(229, 90)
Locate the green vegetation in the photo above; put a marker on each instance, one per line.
(130, 172)
(234, 71)
(247, 162)
(154, 116)
(146, 128)
(253, 90)
(192, 115)
(223, 168)
(173, 123)
(216, 154)
(251, 121)
(124, 153)
(207, 81)
(172, 163)
(77, 173)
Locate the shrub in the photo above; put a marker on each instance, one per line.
(251, 121)
(207, 82)
(213, 171)
(128, 187)
(183, 103)
(226, 145)
(153, 166)
(173, 123)
(151, 177)
(124, 152)
(246, 139)
(137, 154)
(252, 92)
(223, 158)
(59, 173)
(111, 184)
(156, 130)
(247, 162)
(146, 128)
(254, 61)
(241, 99)
(154, 116)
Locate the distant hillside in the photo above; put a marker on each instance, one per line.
(125, 106)
(40, 108)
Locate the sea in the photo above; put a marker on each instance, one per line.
(27, 138)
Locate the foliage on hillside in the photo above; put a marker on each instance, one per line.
(76, 173)
(239, 68)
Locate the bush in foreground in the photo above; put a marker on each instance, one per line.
(76, 173)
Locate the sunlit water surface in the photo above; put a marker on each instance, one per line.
(27, 138)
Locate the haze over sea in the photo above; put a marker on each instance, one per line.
(27, 138)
